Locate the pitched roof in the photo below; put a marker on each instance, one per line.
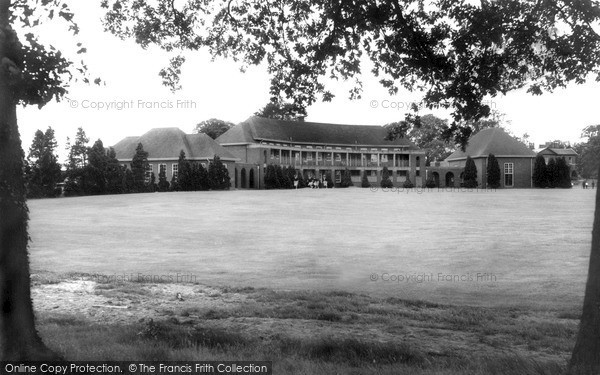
(167, 143)
(492, 141)
(559, 151)
(256, 129)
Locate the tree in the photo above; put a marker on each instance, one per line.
(276, 109)
(428, 135)
(139, 166)
(540, 173)
(346, 179)
(79, 150)
(218, 175)
(163, 184)
(407, 184)
(552, 173)
(470, 174)
(96, 169)
(563, 174)
(43, 169)
(493, 172)
(385, 179)
(184, 173)
(588, 160)
(213, 127)
(114, 173)
(365, 180)
(30, 74)
(270, 177)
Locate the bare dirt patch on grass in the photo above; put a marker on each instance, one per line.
(310, 321)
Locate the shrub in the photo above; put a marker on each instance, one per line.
(408, 183)
(365, 180)
(346, 179)
(540, 173)
(470, 174)
(493, 172)
(552, 174)
(385, 179)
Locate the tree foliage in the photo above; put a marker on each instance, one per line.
(139, 166)
(365, 180)
(385, 179)
(588, 159)
(456, 52)
(42, 169)
(213, 127)
(470, 173)
(493, 172)
(540, 173)
(218, 175)
(279, 110)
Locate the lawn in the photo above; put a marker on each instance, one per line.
(533, 245)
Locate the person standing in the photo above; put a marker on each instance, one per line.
(296, 182)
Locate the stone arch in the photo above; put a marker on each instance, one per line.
(450, 179)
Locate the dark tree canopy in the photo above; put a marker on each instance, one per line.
(282, 111)
(213, 127)
(456, 52)
(470, 173)
(540, 174)
(493, 172)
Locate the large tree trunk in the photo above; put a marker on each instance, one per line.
(18, 338)
(586, 354)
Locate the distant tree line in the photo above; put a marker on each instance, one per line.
(95, 170)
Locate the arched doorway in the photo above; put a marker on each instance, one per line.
(243, 178)
(450, 179)
(251, 182)
(235, 178)
(436, 179)
(574, 175)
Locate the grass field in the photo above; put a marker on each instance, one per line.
(304, 278)
(533, 244)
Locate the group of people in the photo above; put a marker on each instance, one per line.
(313, 183)
(584, 184)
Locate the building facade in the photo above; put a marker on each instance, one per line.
(515, 159)
(164, 146)
(320, 150)
(569, 154)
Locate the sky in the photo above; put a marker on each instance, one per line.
(133, 100)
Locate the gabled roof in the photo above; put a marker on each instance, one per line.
(558, 151)
(256, 129)
(492, 141)
(167, 143)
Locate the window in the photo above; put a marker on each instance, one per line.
(384, 158)
(148, 174)
(319, 156)
(338, 176)
(338, 157)
(402, 173)
(373, 158)
(328, 156)
(508, 174)
(174, 170)
(418, 173)
(309, 156)
(374, 173)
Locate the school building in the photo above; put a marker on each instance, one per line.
(516, 161)
(318, 150)
(164, 145)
